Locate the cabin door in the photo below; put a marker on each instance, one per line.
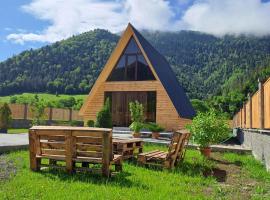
(120, 106)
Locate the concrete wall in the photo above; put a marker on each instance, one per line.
(259, 142)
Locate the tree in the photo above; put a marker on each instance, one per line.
(5, 118)
(104, 117)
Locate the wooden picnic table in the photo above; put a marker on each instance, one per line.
(127, 147)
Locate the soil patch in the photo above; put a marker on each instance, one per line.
(7, 168)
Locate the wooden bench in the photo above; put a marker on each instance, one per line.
(127, 147)
(73, 146)
(175, 154)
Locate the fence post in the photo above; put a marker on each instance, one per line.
(245, 115)
(50, 115)
(250, 110)
(261, 104)
(70, 114)
(25, 111)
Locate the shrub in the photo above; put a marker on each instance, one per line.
(154, 127)
(76, 123)
(136, 126)
(90, 123)
(5, 117)
(104, 117)
(209, 128)
(136, 111)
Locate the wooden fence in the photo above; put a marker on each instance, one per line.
(255, 113)
(24, 111)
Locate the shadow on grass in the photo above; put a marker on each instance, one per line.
(119, 179)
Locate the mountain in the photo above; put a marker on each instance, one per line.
(208, 67)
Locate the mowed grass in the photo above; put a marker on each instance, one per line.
(46, 97)
(17, 130)
(187, 181)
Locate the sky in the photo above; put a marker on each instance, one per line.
(26, 24)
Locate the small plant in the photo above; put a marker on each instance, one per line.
(208, 128)
(37, 108)
(90, 123)
(5, 118)
(104, 117)
(136, 112)
(76, 123)
(155, 129)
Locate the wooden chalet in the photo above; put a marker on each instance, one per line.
(137, 71)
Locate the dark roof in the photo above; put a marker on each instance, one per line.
(167, 78)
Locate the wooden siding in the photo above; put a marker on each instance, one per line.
(247, 107)
(267, 104)
(255, 110)
(166, 114)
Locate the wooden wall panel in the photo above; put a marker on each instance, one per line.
(247, 107)
(17, 111)
(267, 104)
(255, 110)
(60, 114)
(166, 114)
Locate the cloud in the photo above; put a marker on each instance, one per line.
(69, 17)
(218, 17)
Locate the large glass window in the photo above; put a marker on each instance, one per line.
(131, 66)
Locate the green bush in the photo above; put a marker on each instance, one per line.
(209, 128)
(154, 127)
(5, 117)
(90, 123)
(104, 117)
(76, 123)
(136, 111)
(136, 126)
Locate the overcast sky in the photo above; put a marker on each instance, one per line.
(28, 24)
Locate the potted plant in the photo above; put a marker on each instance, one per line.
(207, 129)
(5, 118)
(136, 112)
(155, 129)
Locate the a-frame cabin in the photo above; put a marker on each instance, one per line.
(136, 71)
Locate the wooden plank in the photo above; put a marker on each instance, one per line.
(51, 132)
(52, 145)
(93, 140)
(89, 154)
(69, 151)
(107, 153)
(89, 147)
(87, 159)
(52, 137)
(52, 152)
(87, 133)
(70, 128)
(53, 157)
(34, 160)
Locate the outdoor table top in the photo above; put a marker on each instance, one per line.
(127, 140)
(69, 128)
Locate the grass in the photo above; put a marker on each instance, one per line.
(46, 97)
(17, 130)
(245, 178)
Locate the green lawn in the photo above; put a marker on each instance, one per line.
(226, 176)
(46, 97)
(17, 130)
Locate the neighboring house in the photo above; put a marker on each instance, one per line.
(136, 71)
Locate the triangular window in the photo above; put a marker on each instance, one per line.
(132, 65)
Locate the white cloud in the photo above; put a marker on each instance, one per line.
(221, 17)
(218, 17)
(69, 17)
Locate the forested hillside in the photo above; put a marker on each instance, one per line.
(221, 70)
